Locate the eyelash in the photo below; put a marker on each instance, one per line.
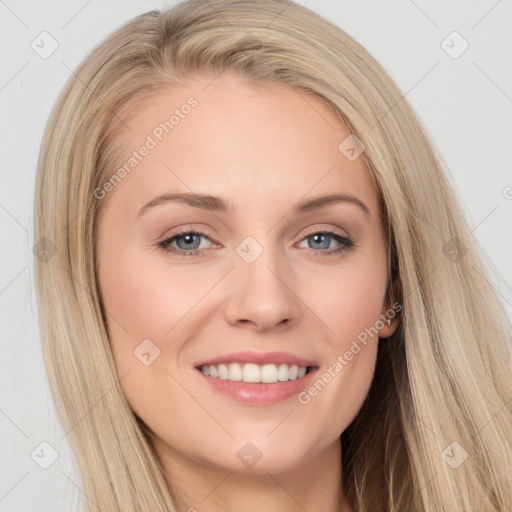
(346, 244)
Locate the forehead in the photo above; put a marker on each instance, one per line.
(238, 139)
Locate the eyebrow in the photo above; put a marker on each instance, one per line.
(216, 204)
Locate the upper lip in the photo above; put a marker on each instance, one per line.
(260, 358)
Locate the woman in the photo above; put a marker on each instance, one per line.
(263, 294)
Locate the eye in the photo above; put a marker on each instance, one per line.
(321, 240)
(188, 243)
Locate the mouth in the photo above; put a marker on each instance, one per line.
(257, 379)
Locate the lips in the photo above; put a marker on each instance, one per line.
(258, 378)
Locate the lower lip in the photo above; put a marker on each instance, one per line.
(259, 393)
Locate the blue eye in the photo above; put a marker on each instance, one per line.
(185, 242)
(189, 243)
(322, 240)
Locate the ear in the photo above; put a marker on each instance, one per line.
(389, 319)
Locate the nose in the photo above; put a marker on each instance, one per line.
(261, 293)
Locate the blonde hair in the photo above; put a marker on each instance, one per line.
(443, 377)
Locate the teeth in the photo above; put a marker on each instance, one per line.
(283, 373)
(250, 372)
(235, 372)
(223, 372)
(268, 373)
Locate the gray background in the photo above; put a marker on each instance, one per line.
(465, 104)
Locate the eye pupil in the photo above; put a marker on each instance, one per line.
(317, 239)
(189, 240)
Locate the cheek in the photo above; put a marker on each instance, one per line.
(348, 299)
(147, 298)
(145, 302)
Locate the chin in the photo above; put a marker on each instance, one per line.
(261, 455)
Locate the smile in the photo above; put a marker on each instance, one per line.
(257, 378)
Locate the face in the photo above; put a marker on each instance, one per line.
(206, 297)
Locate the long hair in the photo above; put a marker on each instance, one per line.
(435, 431)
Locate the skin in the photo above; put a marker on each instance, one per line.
(262, 148)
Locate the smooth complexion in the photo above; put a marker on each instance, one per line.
(262, 150)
